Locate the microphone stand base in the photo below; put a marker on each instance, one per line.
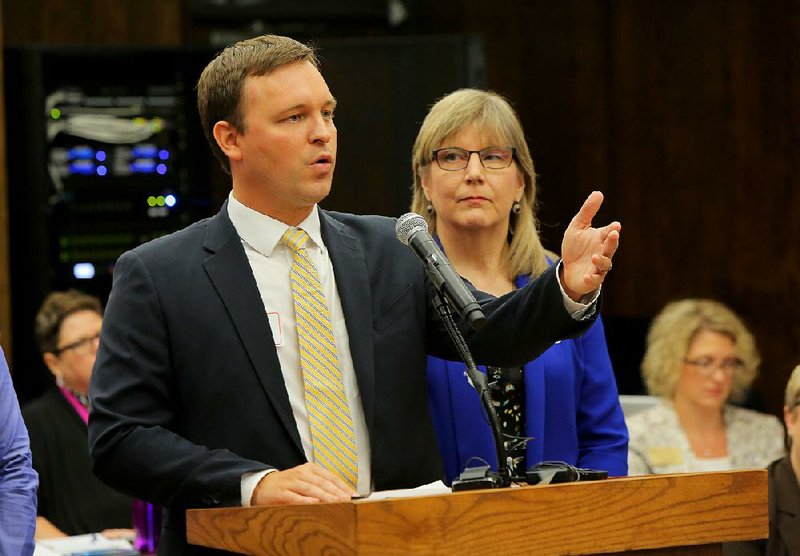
(473, 478)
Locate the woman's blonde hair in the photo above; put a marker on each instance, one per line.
(672, 332)
(792, 396)
(492, 115)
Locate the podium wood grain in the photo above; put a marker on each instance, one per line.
(658, 514)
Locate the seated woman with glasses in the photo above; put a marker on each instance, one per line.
(699, 356)
(72, 500)
(475, 184)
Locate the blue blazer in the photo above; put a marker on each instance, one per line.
(572, 408)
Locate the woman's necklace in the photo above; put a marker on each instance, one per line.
(710, 446)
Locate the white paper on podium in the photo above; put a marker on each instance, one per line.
(82, 544)
(430, 489)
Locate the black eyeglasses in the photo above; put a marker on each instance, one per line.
(453, 159)
(81, 346)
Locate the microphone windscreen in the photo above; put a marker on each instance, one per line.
(407, 224)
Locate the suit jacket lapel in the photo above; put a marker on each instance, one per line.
(352, 282)
(228, 269)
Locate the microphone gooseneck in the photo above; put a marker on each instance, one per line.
(412, 230)
(446, 290)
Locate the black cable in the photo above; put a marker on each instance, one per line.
(478, 380)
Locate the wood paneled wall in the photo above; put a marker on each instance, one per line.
(686, 114)
(94, 22)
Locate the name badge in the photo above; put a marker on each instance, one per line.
(277, 331)
(664, 455)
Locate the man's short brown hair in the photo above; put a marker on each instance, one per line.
(219, 90)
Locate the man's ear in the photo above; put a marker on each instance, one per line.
(227, 137)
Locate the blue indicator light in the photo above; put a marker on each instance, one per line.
(82, 167)
(143, 166)
(144, 151)
(100, 156)
(170, 200)
(80, 152)
(83, 271)
(161, 169)
(163, 154)
(102, 170)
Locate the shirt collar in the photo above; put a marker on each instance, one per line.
(263, 232)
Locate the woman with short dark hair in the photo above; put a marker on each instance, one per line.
(72, 500)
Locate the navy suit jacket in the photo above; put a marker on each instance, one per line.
(187, 392)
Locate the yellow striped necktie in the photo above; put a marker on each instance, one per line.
(329, 418)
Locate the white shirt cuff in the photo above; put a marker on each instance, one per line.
(578, 310)
(250, 482)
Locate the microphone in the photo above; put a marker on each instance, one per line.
(412, 230)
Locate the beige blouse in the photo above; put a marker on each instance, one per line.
(658, 444)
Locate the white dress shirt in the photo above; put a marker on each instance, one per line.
(270, 262)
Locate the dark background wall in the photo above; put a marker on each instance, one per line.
(685, 113)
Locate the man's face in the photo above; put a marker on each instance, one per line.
(287, 151)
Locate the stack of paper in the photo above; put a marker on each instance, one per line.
(84, 545)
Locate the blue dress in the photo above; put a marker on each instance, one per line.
(572, 408)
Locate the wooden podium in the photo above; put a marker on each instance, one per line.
(689, 513)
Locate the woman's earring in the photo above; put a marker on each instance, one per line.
(516, 207)
(429, 209)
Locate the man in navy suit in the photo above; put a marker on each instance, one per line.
(197, 393)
